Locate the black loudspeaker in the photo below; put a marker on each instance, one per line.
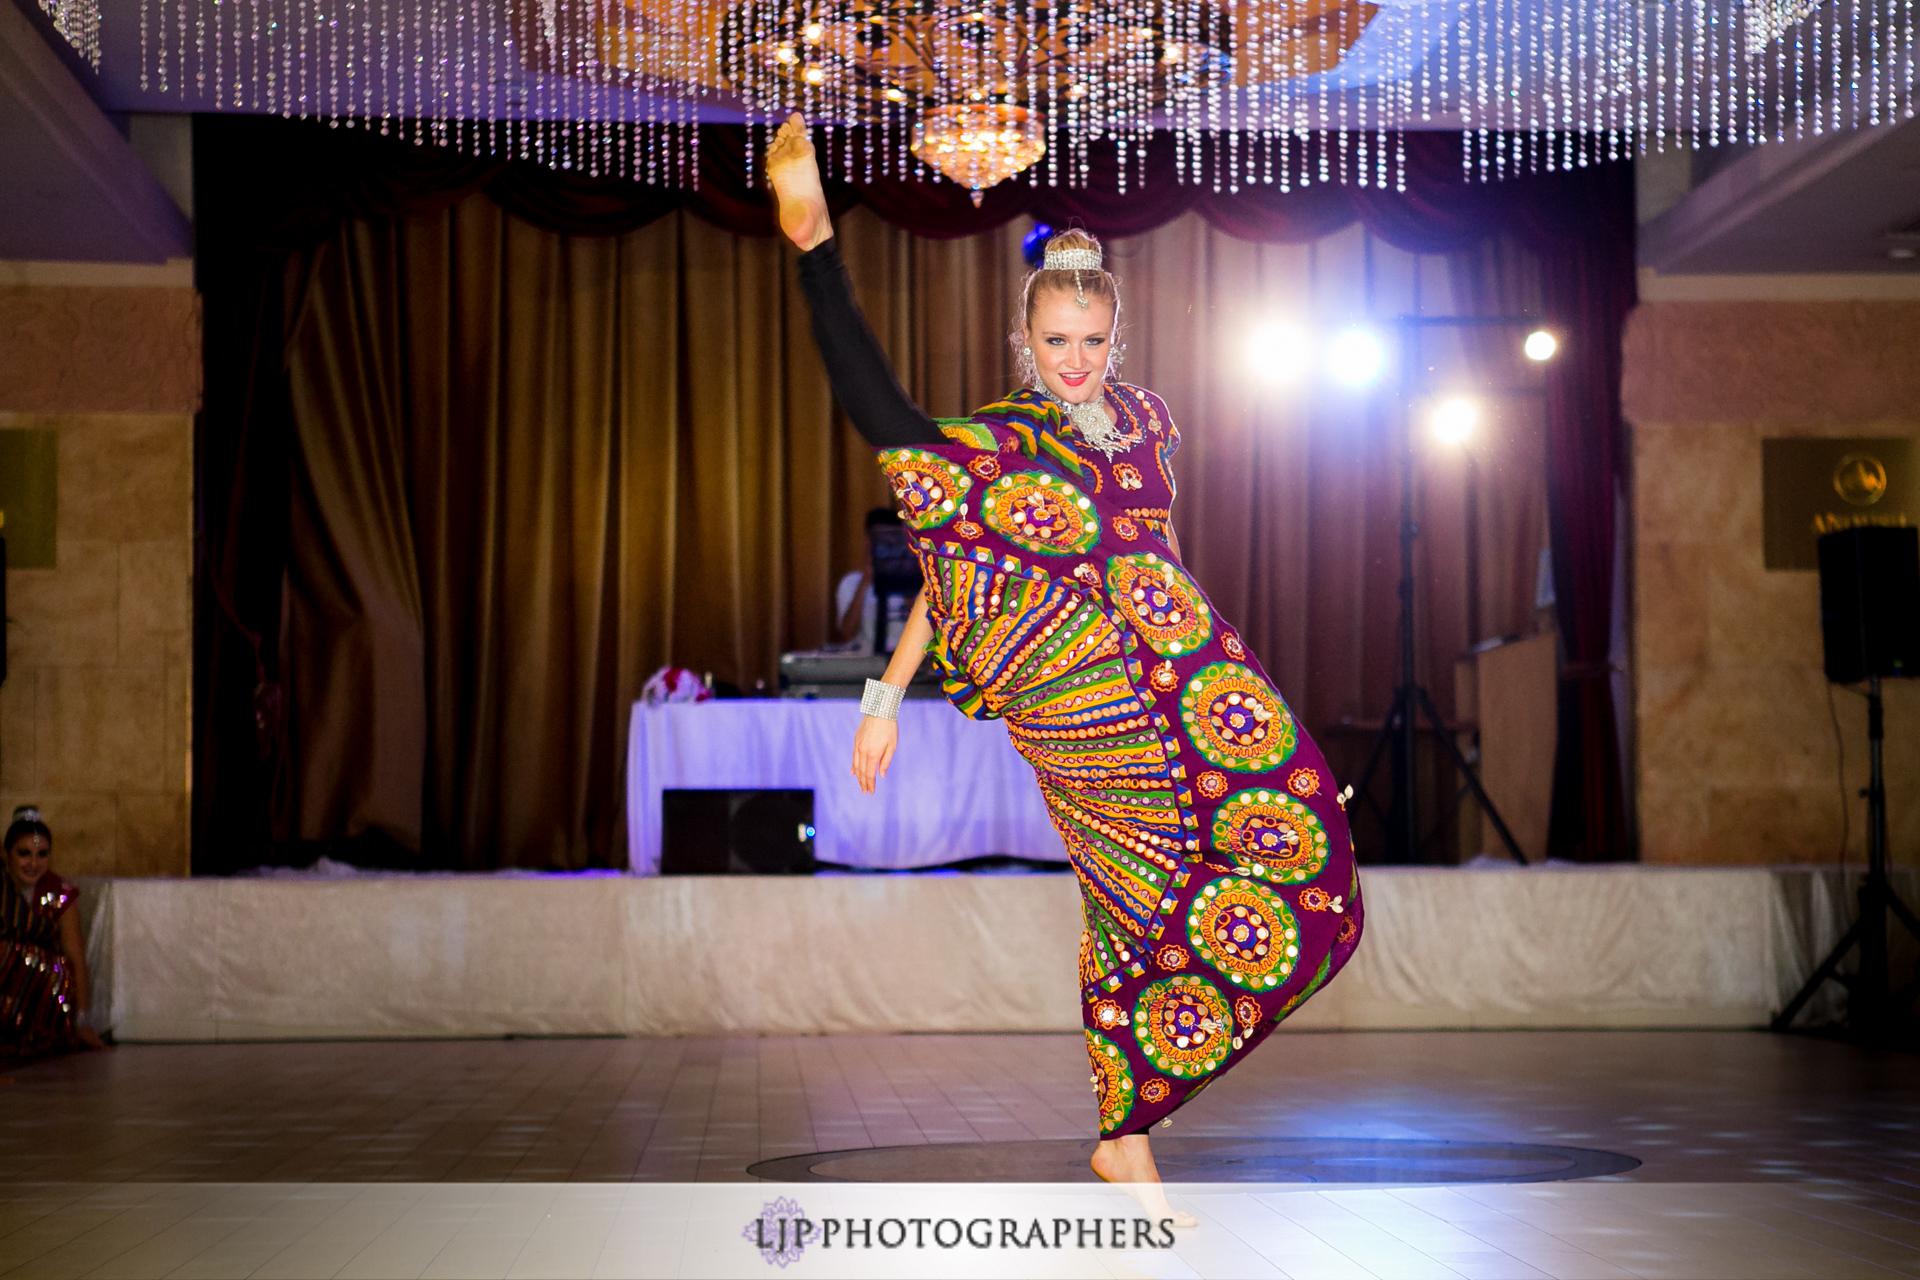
(1870, 602)
(736, 833)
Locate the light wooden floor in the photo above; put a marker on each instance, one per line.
(1762, 1155)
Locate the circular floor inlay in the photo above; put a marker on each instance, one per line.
(1200, 1159)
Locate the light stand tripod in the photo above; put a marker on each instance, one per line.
(1874, 1011)
(1400, 729)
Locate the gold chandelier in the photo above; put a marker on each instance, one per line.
(979, 144)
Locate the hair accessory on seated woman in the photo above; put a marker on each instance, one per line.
(27, 813)
(1073, 260)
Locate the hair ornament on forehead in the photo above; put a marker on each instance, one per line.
(1072, 260)
(27, 813)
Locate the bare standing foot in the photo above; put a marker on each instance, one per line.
(795, 176)
(1128, 1162)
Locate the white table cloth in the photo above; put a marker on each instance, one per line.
(957, 788)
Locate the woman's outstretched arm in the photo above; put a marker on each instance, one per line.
(857, 368)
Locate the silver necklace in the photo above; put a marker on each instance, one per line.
(1092, 421)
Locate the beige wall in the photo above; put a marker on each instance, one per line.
(96, 712)
(1736, 752)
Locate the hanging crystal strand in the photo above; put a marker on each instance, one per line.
(478, 82)
(1879, 51)
(1852, 27)
(1835, 57)
(1907, 60)
(1477, 53)
(258, 74)
(1496, 95)
(1400, 152)
(1604, 142)
(303, 20)
(1637, 76)
(1813, 77)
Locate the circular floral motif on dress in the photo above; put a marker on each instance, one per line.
(1163, 678)
(1244, 930)
(1107, 1015)
(1247, 1009)
(1161, 602)
(1112, 1082)
(1041, 512)
(1183, 1025)
(1155, 1091)
(928, 486)
(985, 467)
(968, 529)
(1349, 930)
(1304, 783)
(1128, 475)
(1272, 835)
(1231, 643)
(1087, 574)
(1314, 898)
(1236, 719)
(1212, 784)
(1126, 528)
(1171, 958)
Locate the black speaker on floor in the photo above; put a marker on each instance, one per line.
(718, 832)
(1870, 603)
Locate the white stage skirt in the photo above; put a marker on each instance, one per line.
(957, 788)
(387, 956)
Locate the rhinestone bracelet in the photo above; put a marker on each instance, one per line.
(882, 700)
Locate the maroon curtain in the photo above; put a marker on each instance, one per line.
(270, 189)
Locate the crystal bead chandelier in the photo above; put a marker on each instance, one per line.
(1281, 92)
(978, 145)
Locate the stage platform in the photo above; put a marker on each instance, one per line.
(439, 956)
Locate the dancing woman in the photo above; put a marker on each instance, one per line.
(1216, 874)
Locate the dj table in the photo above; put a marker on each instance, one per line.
(957, 788)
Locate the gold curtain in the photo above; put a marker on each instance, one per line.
(534, 467)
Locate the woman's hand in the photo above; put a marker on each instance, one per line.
(91, 1038)
(873, 746)
(874, 741)
(795, 176)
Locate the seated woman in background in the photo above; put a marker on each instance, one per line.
(44, 994)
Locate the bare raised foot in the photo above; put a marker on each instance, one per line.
(795, 176)
(1128, 1162)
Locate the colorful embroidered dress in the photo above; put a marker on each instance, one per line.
(36, 999)
(1217, 877)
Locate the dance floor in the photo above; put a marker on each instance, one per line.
(1758, 1155)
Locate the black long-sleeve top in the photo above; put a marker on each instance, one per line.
(857, 369)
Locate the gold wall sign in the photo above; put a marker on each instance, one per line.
(1812, 487)
(27, 492)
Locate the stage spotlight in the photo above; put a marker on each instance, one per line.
(1355, 357)
(1540, 345)
(1454, 420)
(1278, 352)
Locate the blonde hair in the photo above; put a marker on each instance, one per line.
(1088, 284)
